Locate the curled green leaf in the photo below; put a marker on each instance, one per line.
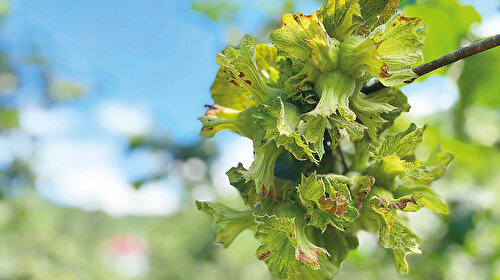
(241, 67)
(229, 223)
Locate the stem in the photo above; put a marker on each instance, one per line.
(342, 158)
(452, 57)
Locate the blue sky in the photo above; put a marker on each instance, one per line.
(141, 52)
(156, 54)
(147, 64)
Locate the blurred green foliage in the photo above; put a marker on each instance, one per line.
(43, 241)
(448, 24)
(218, 10)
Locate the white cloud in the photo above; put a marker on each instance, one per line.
(85, 175)
(124, 119)
(43, 122)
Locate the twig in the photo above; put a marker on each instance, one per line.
(454, 56)
(344, 163)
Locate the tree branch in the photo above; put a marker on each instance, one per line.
(452, 57)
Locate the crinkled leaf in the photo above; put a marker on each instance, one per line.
(438, 161)
(229, 222)
(327, 200)
(387, 168)
(218, 118)
(377, 12)
(293, 37)
(360, 189)
(281, 123)
(302, 81)
(334, 90)
(401, 144)
(431, 170)
(229, 93)
(369, 110)
(275, 69)
(352, 130)
(247, 189)
(390, 163)
(337, 243)
(339, 17)
(324, 52)
(262, 169)
(399, 41)
(240, 65)
(388, 53)
(394, 234)
(314, 130)
(285, 248)
(396, 98)
(265, 58)
(421, 196)
(374, 118)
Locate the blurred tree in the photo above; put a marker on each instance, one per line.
(38, 242)
(27, 75)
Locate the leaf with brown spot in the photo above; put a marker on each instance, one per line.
(285, 248)
(393, 233)
(327, 200)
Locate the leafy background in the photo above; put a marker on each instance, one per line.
(100, 161)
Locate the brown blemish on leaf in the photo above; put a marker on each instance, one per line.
(213, 110)
(235, 83)
(341, 205)
(241, 75)
(401, 205)
(248, 82)
(377, 44)
(384, 71)
(263, 255)
(338, 207)
(263, 191)
(409, 19)
(211, 113)
(313, 258)
(327, 203)
(364, 193)
(271, 194)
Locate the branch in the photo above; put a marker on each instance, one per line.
(342, 158)
(470, 50)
